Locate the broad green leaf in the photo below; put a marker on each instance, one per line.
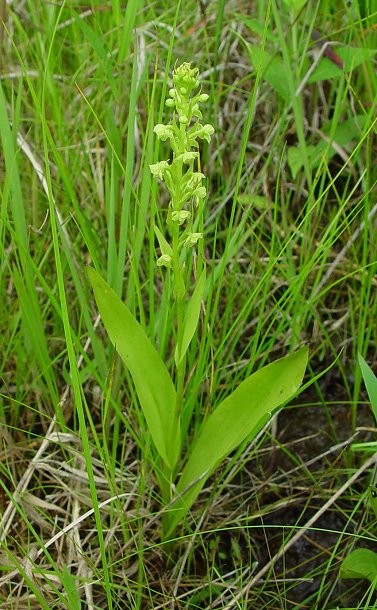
(343, 134)
(370, 381)
(295, 5)
(348, 130)
(258, 27)
(152, 381)
(354, 56)
(351, 57)
(361, 563)
(191, 318)
(295, 158)
(273, 70)
(241, 415)
(326, 70)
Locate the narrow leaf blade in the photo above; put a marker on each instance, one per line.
(370, 381)
(164, 246)
(153, 383)
(191, 317)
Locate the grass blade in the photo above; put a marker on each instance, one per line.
(370, 381)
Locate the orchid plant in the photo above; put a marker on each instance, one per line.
(242, 414)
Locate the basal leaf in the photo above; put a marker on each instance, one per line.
(153, 383)
(295, 158)
(326, 70)
(239, 416)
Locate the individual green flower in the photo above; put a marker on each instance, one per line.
(199, 193)
(193, 238)
(180, 216)
(187, 157)
(192, 187)
(163, 132)
(165, 260)
(159, 169)
(196, 178)
(196, 112)
(204, 132)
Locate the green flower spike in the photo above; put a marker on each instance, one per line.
(183, 180)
